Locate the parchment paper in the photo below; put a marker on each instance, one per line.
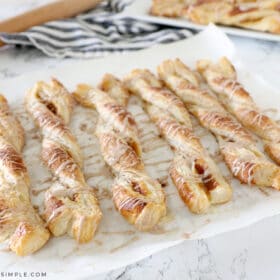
(117, 243)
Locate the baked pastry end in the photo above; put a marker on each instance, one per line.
(273, 150)
(189, 185)
(139, 199)
(72, 211)
(27, 239)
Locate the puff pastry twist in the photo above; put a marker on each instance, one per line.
(70, 204)
(222, 79)
(260, 15)
(19, 222)
(196, 176)
(237, 146)
(139, 199)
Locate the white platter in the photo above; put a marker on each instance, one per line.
(117, 243)
(139, 9)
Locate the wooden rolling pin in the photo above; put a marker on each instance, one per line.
(53, 11)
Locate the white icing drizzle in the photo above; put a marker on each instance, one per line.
(174, 128)
(67, 165)
(179, 136)
(131, 202)
(59, 190)
(46, 121)
(214, 117)
(217, 120)
(233, 85)
(117, 150)
(258, 119)
(117, 131)
(159, 96)
(190, 179)
(110, 113)
(64, 152)
(125, 180)
(54, 214)
(239, 165)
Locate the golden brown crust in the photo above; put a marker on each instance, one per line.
(116, 151)
(10, 127)
(189, 185)
(222, 79)
(115, 88)
(260, 15)
(221, 123)
(178, 136)
(141, 82)
(19, 222)
(56, 98)
(236, 144)
(70, 205)
(167, 8)
(175, 125)
(111, 112)
(250, 166)
(138, 198)
(58, 159)
(263, 15)
(273, 150)
(267, 24)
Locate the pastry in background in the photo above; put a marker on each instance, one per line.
(262, 15)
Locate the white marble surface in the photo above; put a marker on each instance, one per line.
(250, 253)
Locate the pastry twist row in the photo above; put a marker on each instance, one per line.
(237, 146)
(19, 222)
(194, 173)
(70, 204)
(222, 79)
(136, 196)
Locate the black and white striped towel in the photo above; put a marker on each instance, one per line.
(96, 33)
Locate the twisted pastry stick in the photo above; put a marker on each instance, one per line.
(70, 204)
(222, 79)
(258, 15)
(262, 15)
(197, 178)
(237, 146)
(19, 222)
(139, 199)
